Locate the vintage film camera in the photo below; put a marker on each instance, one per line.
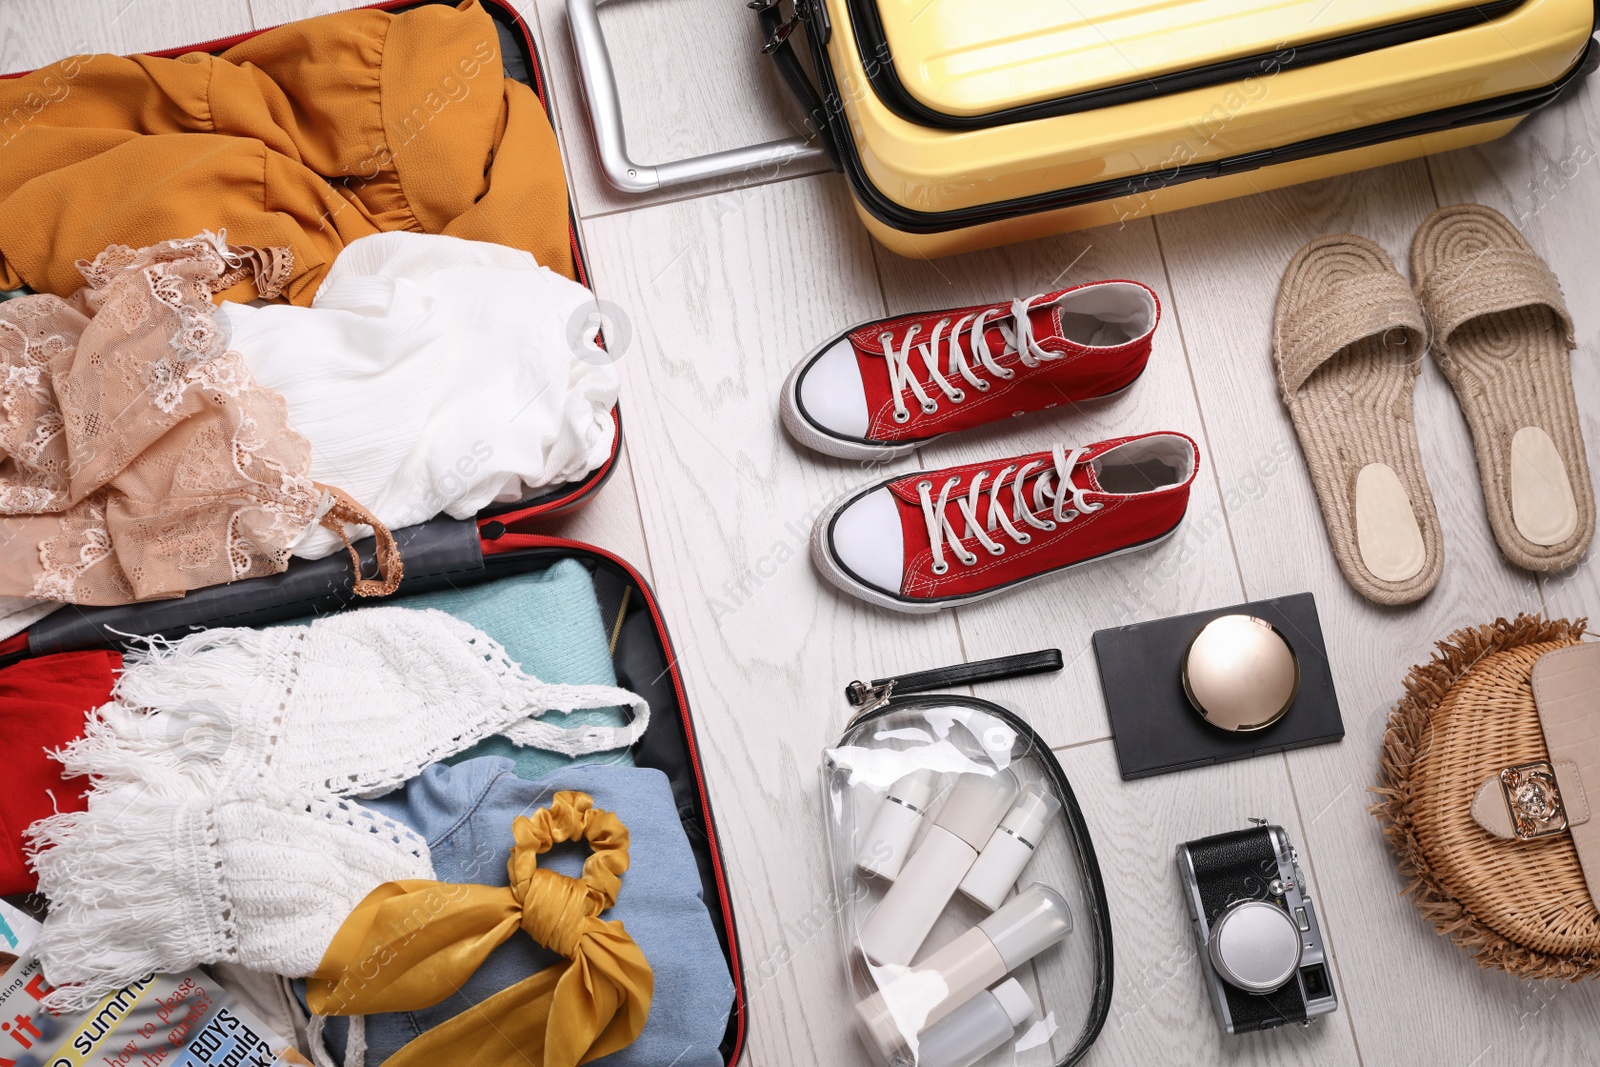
(1261, 946)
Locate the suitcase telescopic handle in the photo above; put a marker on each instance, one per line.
(605, 115)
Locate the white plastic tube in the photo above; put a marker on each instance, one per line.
(888, 841)
(1010, 847)
(1029, 923)
(897, 926)
(977, 1028)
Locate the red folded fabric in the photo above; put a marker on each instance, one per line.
(43, 705)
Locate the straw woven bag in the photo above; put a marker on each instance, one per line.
(1521, 906)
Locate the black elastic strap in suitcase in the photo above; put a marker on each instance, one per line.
(448, 553)
(437, 555)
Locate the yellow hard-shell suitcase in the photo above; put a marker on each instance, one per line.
(963, 124)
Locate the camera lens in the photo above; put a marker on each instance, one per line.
(1255, 946)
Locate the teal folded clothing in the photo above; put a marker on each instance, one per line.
(549, 622)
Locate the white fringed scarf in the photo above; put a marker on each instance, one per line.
(215, 829)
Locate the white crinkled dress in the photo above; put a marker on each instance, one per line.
(433, 374)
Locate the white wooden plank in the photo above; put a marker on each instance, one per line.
(611, 519)
(32, 35)
(1194, 570)
(269, 13)
(692, 80)
(1226, 261)
(723, 304)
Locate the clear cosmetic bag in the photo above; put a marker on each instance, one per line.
(974, 925)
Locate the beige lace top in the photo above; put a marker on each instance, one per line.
(138, 457)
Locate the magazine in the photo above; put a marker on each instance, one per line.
(17, 931)
(166, 1020)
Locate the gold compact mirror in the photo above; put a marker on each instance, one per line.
(1240, 673)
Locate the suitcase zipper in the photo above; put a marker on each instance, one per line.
(873, 45)
(866, 697)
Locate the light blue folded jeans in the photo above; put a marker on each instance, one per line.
(465, 813)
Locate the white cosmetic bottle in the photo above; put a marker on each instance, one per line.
(1010, 847)
(977, 1028)
(888, 841)
(896, 928)
(1029, 923)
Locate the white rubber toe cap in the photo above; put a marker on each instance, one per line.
(867, 540)
(831, 392)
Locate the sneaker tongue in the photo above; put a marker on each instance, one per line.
(1085, 475)
(1046, 321)
(1082, 474)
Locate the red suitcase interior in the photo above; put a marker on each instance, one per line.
(500, 543)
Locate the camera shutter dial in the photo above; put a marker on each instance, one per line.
(1255, 946)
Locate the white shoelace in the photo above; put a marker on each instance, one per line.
(1052, 487)
(1017, 336)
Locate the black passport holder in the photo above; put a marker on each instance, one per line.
(1157, 730)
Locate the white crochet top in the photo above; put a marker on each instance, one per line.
(215, 828)
(159, 880)
(356, 704)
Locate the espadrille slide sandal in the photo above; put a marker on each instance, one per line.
(1502, 335)
(1347, 341)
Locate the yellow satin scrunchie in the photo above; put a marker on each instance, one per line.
(411, 944)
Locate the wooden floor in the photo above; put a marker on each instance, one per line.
(725, 288)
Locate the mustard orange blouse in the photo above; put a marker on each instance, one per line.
(307, 136)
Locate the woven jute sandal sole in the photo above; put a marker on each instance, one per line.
(1502, 335)
(1348, 340)
(1523, 907)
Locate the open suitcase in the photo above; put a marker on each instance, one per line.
(521, 62)
(444, 553)
(965, 124)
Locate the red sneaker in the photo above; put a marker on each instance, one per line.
(880, 389)
(938, 539)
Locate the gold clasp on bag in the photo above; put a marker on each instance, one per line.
(1534, 800)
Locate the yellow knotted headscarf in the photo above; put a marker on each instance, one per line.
(411, 944)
